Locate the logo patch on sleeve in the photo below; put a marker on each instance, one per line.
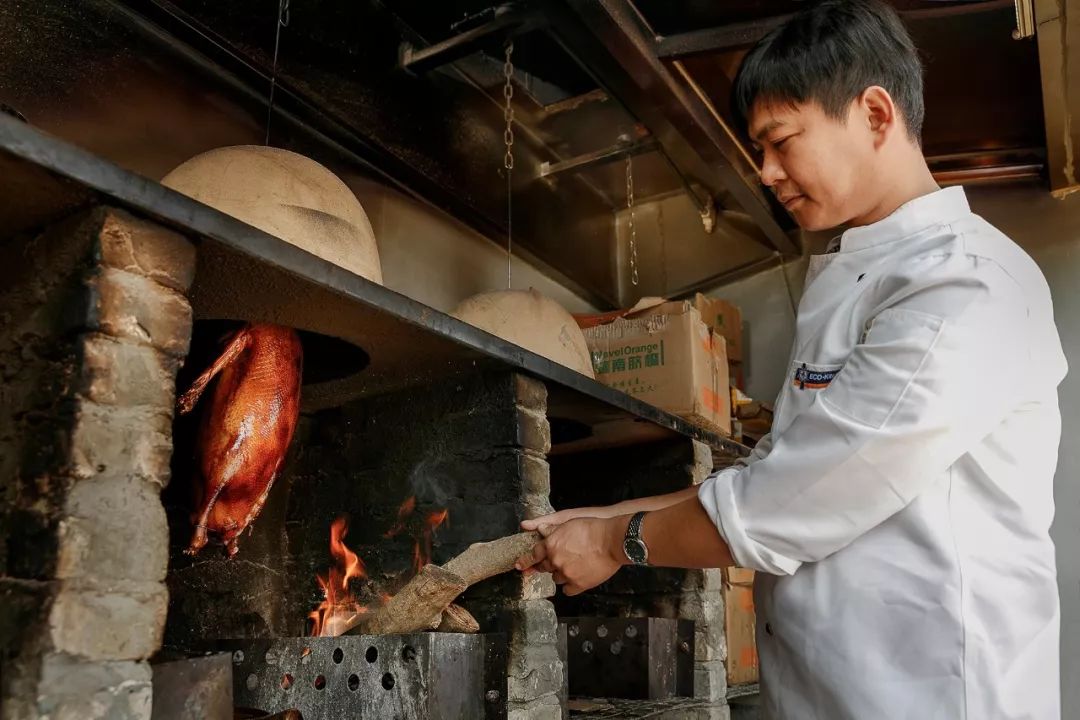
(809, 379)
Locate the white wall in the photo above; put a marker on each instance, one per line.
(768, 324)
(432, 258)
(1049, 230)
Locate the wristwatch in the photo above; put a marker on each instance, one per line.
(637, 552)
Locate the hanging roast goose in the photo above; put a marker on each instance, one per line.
(245, 431)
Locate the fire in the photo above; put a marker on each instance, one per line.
(403, 514)
(422, 549)
(339, 605)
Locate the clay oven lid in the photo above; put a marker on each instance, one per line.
(531, 320)
(287, 195)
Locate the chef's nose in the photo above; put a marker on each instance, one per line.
(772, 171)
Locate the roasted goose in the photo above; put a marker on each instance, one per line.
(246, 431)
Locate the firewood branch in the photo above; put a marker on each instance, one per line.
(421, 603)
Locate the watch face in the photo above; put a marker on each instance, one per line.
(635, 551)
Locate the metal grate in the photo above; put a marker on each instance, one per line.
(441, 676)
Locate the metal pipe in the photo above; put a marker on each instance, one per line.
(597, 158)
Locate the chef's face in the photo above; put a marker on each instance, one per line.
(820, 168)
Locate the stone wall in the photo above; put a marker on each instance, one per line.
(93, 326)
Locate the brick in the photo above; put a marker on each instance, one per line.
(534, 508)
(535, 476)
(530, 393)
(533, 430)
(534, 623)
(137, 246)
(710, 680)
(533, 673)
(706, 609)
(122, 373)
(72, 690)
(121, 441)
(114, 621)
(537, 586)
(135, 308)
(545, 708)
(107, 518)
(703, 462)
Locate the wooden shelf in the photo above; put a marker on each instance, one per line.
(245, 273)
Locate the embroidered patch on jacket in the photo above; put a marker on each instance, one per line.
(807, 379)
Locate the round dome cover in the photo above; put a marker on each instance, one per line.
(528, 319)
(287, 195)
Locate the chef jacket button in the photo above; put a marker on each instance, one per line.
(768, 628)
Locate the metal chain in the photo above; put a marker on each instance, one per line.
(283, 17)
(630, 220)
(508, 158)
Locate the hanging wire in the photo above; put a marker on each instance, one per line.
(283, 17)
(508, 158)
(630, 220)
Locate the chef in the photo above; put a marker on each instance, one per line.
(898, 513)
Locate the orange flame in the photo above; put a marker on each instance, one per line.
(403, 512)
(422, 549)
(339, 606)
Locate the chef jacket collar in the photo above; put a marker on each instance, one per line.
(938, 208)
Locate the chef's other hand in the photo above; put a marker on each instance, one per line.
(578, 553)
(558, 518)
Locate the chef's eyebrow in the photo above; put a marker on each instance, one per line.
(766, 129)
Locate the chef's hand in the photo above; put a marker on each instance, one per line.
(580, 553)
(558, 518)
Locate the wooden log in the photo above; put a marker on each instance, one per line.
(457, 619)
(481, 561)
(420, 604)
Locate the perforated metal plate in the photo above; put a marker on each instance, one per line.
(440, 676)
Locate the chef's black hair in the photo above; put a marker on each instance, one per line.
(830, 53)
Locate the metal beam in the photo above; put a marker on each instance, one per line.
(742, 34)
(716, 38)
(1059, 66)
(508, 22)
(606, 37)
(597, 158)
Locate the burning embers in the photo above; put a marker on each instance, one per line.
(340, 607)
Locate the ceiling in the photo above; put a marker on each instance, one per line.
(411, 93)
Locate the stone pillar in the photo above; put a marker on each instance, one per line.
(536, 674)
(703, 602)
(93, 325)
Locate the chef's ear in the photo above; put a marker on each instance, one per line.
(875, 108)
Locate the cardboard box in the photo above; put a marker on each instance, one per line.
(726, 319)
(722, 383)
(739, 624)
(666, 357)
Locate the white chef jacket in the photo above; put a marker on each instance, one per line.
(899, 511)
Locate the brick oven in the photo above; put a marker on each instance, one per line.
(101, 276)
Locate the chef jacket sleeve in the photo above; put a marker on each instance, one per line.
(940, 364)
